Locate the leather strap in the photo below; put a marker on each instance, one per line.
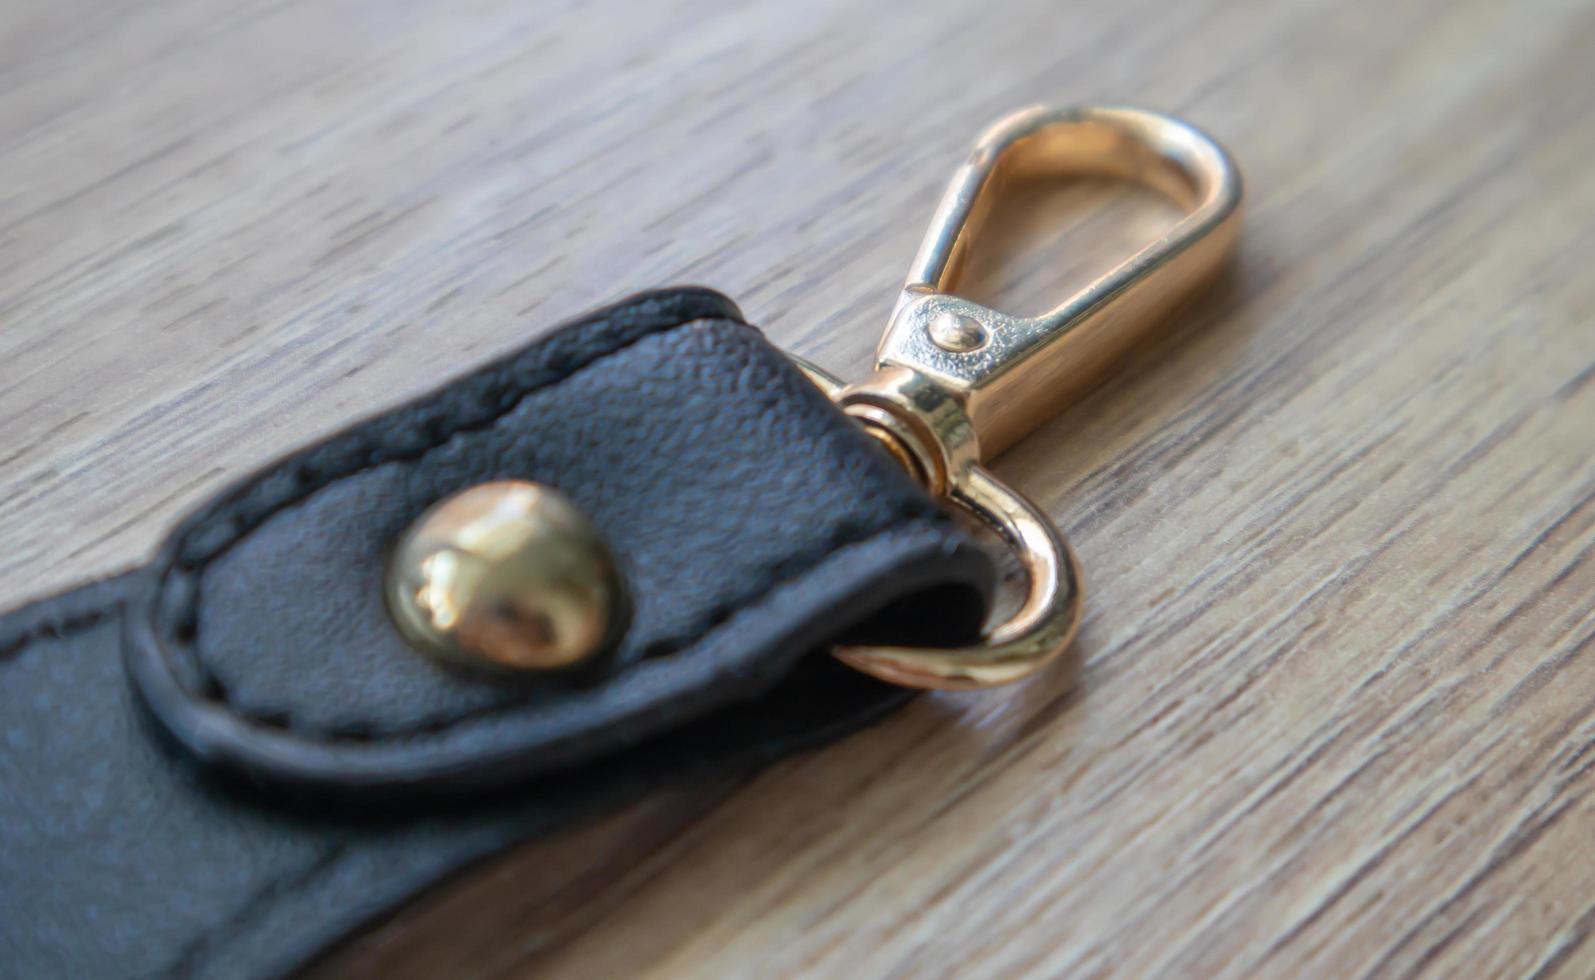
(282, 768)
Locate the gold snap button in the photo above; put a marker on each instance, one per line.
(509, 575)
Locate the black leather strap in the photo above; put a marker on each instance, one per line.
(283, 768)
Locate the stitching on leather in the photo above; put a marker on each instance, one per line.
(237, 530)
(12, 647)
(395, 445)
(188, 608)
(710, 624)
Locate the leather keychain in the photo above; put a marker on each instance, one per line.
(614, 558)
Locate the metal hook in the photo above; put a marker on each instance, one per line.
(956, 382)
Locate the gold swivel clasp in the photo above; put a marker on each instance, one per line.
(955, 382)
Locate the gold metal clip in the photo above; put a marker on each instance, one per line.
(956, 383)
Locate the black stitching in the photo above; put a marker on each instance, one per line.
(220, 528)
(56, 629)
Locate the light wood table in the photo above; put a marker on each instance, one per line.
(1331, 710)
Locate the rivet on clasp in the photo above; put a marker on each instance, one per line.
(955, 382)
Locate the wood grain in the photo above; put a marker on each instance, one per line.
(1333, 708)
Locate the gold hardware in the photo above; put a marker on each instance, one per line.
(508, 575)
(956, 383)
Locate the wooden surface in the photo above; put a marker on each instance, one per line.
(1333, 708)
